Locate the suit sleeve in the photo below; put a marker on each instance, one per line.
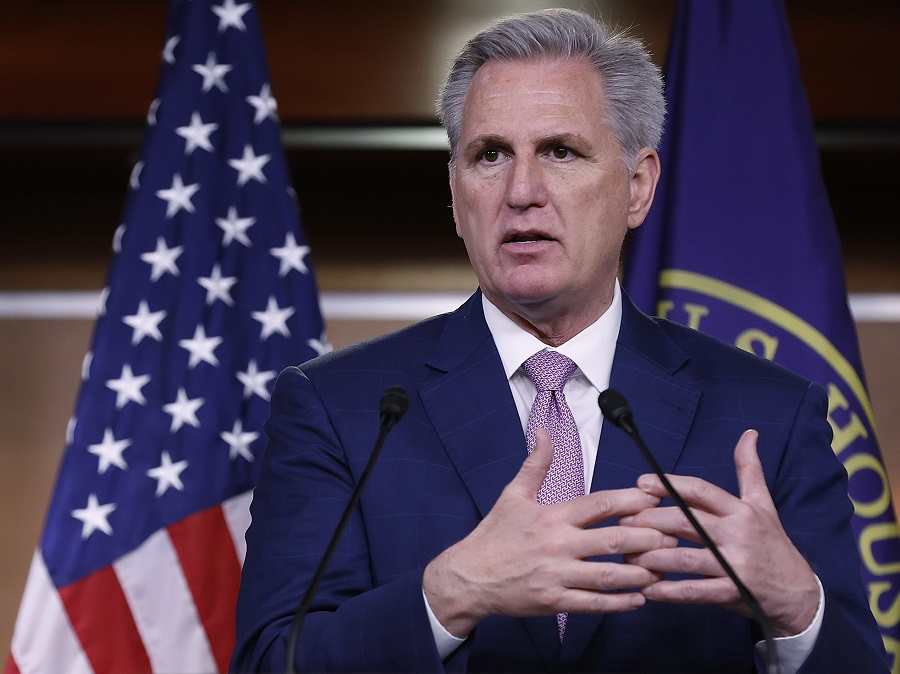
(304, 485)
(811, 495)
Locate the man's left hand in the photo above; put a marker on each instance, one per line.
(750, 537)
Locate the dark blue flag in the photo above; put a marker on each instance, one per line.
(210, 293)
(741, 242)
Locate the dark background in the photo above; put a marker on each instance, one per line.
(76, 79)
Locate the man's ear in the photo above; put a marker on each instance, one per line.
(643, 186)
(453, 200)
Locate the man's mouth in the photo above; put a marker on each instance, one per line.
(527, 237)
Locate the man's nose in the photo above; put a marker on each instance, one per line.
(526, 187)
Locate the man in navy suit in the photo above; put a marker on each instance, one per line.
(450, 563)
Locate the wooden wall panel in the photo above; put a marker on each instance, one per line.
(361, 60)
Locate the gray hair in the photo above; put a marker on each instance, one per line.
(631, 82)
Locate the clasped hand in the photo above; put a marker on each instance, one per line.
(526, 559)
(749, 535)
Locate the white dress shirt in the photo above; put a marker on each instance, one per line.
(592, 350)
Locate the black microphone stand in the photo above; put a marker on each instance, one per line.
(394, 404)
(616, 408)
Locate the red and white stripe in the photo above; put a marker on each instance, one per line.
(168, 606)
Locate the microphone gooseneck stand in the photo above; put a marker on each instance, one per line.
(394, 403)
(615, 407)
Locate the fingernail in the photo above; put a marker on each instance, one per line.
(645, 482)
(670, 541)
(626, 520)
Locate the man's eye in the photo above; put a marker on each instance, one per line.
(561, 152)
(490, 156)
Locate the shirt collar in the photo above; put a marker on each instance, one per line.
(592, 349)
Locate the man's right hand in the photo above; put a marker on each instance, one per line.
(526, 559)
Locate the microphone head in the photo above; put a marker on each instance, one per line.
(615, 407)
(394, 403)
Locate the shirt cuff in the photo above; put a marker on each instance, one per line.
(446, 643)
(793, 651)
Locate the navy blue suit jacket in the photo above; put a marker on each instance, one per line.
(445, 464)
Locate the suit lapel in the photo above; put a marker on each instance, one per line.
(471, 407)
(472, 410)
(644, 371)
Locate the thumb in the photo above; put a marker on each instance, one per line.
(531, 475)
(751, 479)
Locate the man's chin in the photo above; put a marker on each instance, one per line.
(527, 300)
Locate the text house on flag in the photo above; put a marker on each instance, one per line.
(741, 243)
(210, 293)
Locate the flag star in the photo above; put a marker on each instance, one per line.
(168, 474)
(162, 259)
(235, 228)
(239, 442)
(264, 104)
(320, 346)
(134, 180)
(128, 387)
(249, 167)
(178, 196)
(109, 451)
(151, 113)
(213, 73)
(273, 319)
(183, 410)
(255, 381)
(218, 287)
(94, 517)
(101, 302)
(70, 430)
(117, 238)
(201, 348)
(169, 50)
(291, 256)
(145, 323)
(231, 14)
(86, 365)
(197, 134)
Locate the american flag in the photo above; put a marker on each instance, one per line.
(210, 293)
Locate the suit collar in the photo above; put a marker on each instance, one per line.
(646, 371)
(471, 407)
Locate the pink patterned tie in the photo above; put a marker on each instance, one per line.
(550, 370)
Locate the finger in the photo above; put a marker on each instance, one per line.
(670, 520)
(619, 541)
(751, 479)
(610, 576)
(695, 491)
(719, 591)
(696, 561)
(530, 477)
(600, 506)
(589, 601)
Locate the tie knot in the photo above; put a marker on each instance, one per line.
(549, 370)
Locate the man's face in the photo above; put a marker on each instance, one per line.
(541, 195)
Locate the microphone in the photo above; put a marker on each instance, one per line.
(394, 404)
(615, 407)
